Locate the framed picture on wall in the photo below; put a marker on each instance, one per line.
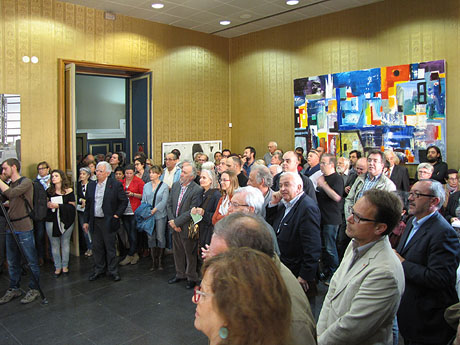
(189, 148)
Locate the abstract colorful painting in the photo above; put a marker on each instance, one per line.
(399, 107)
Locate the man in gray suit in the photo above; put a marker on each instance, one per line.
(365, 291)
(185, 194)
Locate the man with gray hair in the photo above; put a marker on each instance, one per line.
(261, 178)
(105, 203)
(248, 230)
(295, 217)
(429, 252)
(185, 194)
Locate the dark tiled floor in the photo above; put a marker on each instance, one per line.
(140, 309)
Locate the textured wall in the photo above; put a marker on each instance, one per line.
(392, 32)
(190, 70)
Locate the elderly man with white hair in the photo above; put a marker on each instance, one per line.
(296, 218)
(272, 146)
(250, 200)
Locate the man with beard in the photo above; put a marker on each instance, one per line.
(434, 157)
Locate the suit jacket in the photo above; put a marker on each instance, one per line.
(431, 261)
(452, 205)
(400, 177)
(114, 202)
(361, 303)
(80, 194)
(298, 236)
(192, 198)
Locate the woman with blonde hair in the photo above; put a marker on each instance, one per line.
(228, 185)
(242, 300)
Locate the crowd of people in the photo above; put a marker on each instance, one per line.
(254, 238)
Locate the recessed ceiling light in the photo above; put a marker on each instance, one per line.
(158, 6)
(225, 22)
(245, 16)
(25, 59)
(34, 59)
(292, 2)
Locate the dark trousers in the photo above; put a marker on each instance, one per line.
(104, 250)
(27, 243)
(39, 233)
(185, 256)
(130, 225)
(3, 226)
(342, 239)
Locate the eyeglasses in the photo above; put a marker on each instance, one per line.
(235, 204)
(424, 172)
(197, 293)
(357, 219)
(223, 180)
(417, 195)
(43, 168)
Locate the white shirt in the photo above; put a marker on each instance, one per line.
(98, 198)
(169, 176)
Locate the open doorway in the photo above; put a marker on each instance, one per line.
(134, 132)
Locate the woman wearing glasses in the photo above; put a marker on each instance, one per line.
(242, 306)
(228, 185)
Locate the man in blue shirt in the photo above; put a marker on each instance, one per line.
(429, 252)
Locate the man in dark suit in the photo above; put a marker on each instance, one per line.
(397, 173)
(429, 252)
(185, 194)
(296, 219)
(105, 203)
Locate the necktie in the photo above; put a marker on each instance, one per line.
(181, 195)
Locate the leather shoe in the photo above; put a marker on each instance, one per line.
(115, 277)
(175, 280)
(95, 276)
(190, 284)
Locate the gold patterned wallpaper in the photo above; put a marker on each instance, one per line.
(190, 71)
(392, 32)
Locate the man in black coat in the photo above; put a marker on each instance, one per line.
(105, 203)
(429, 252)
(397, 173)
(296, 219)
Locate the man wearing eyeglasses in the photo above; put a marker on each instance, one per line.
(374, 179)
(172, 172)
(429, 252)
(365, 291)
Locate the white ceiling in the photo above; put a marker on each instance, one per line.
(204, 15)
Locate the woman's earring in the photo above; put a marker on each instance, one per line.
(223, 332)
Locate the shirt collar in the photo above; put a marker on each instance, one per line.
(419, 222)
(368, 177)
(292, 202)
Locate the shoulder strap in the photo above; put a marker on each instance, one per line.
(155, 194)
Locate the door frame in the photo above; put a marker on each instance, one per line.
(85, 67)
